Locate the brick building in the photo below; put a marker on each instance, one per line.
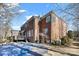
(14, 34)
(51, 27)
(44, 29)
(31, 29)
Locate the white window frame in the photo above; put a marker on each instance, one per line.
(46, 30)
(48, 19)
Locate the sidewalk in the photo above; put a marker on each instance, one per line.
(52, 50)
(66, 50)
(72, 51)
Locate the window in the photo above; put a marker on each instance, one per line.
(47, 19)
(29, 33)
(46, 30)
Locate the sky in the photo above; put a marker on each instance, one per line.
(36, 9)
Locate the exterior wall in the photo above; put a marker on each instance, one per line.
(36, 29)
(20, 36)
(14, 35)
(54, 27)
(31, 29)
(57, 28)
(42, 25)
(45, 30)
(63, 28)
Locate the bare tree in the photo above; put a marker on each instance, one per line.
(7, 12)
(75, 12)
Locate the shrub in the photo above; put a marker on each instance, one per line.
(70, 34)
(66, 41)
(63, 40)
(56, 42)
(53, 43)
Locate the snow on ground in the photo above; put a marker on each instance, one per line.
(40, 48)
(52, 50)
(11, 50)
(34, 49)
(24, 49)
(21, 49)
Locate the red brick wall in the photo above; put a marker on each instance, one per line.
(57, 28)
(42, 26)
(31, 25)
